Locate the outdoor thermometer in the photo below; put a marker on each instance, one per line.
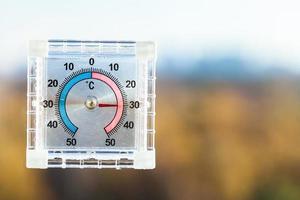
(91, 104)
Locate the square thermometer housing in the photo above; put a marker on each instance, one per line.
(91, 104)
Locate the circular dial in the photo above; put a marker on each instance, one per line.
(91, 100)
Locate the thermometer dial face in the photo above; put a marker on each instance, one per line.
(94, 101)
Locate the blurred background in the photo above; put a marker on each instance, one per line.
(228, 97)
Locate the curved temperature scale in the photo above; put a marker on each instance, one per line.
(97, 76)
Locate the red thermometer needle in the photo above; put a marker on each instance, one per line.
(107, 105)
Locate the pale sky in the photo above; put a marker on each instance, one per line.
(267, 30)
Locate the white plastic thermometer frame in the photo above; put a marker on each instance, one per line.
(141, 157)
